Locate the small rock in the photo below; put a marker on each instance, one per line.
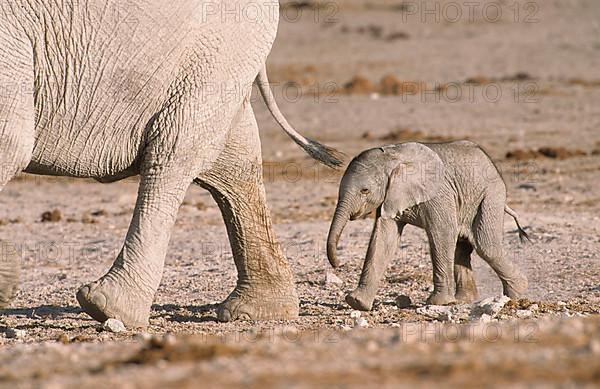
(355, 314)
(436, 312)
(11, 333)
(332, 279)
(403, 301)
(562, 305)
(361, 322)
(114, 326)
(491, 306)
(524, 313)
(485, 318)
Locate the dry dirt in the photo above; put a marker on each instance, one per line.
(369, 74)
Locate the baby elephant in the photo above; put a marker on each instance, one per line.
(453, 191)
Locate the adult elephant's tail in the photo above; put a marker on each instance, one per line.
(327, 155)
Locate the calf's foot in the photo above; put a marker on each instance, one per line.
(515, 288)
(441, 298)
(360, 300)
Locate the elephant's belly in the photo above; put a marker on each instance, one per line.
(105, 154)
(99, 87)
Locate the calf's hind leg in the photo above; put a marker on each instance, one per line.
(466, 288)
(488, 232)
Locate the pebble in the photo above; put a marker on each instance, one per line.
(114, 326)
(361, 322)
(491, 306)
(485, 318)
(15, 333)
(403, 301)
(332, 279)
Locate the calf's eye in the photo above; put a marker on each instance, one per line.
(365, 191)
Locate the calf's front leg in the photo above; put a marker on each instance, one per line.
(385, 239)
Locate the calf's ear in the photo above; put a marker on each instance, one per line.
(415, 179)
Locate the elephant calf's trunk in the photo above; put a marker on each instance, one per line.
(338, 224)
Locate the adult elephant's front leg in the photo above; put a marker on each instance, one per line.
(127, 291)
(265, 288)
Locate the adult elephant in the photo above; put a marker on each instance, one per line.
(159, 89)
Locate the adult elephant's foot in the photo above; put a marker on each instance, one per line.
(360, 300)
(441, 298)
(109, 298)
(515, 288)
(259, 304)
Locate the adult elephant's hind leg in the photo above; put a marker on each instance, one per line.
(265, 288)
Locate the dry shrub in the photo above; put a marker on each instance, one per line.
(359, 85)
(560, 153)
(53, 216)
(405, 135)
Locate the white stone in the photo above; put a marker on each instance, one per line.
(114, 325)
(445, 313)
(355, 314)
(524, 313)
(332, 279)
(361, 322)
(490, 306)
(485, 318)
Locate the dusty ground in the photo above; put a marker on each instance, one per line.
(547, 74)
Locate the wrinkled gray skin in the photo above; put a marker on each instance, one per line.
(155, 88)
(453, 191)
